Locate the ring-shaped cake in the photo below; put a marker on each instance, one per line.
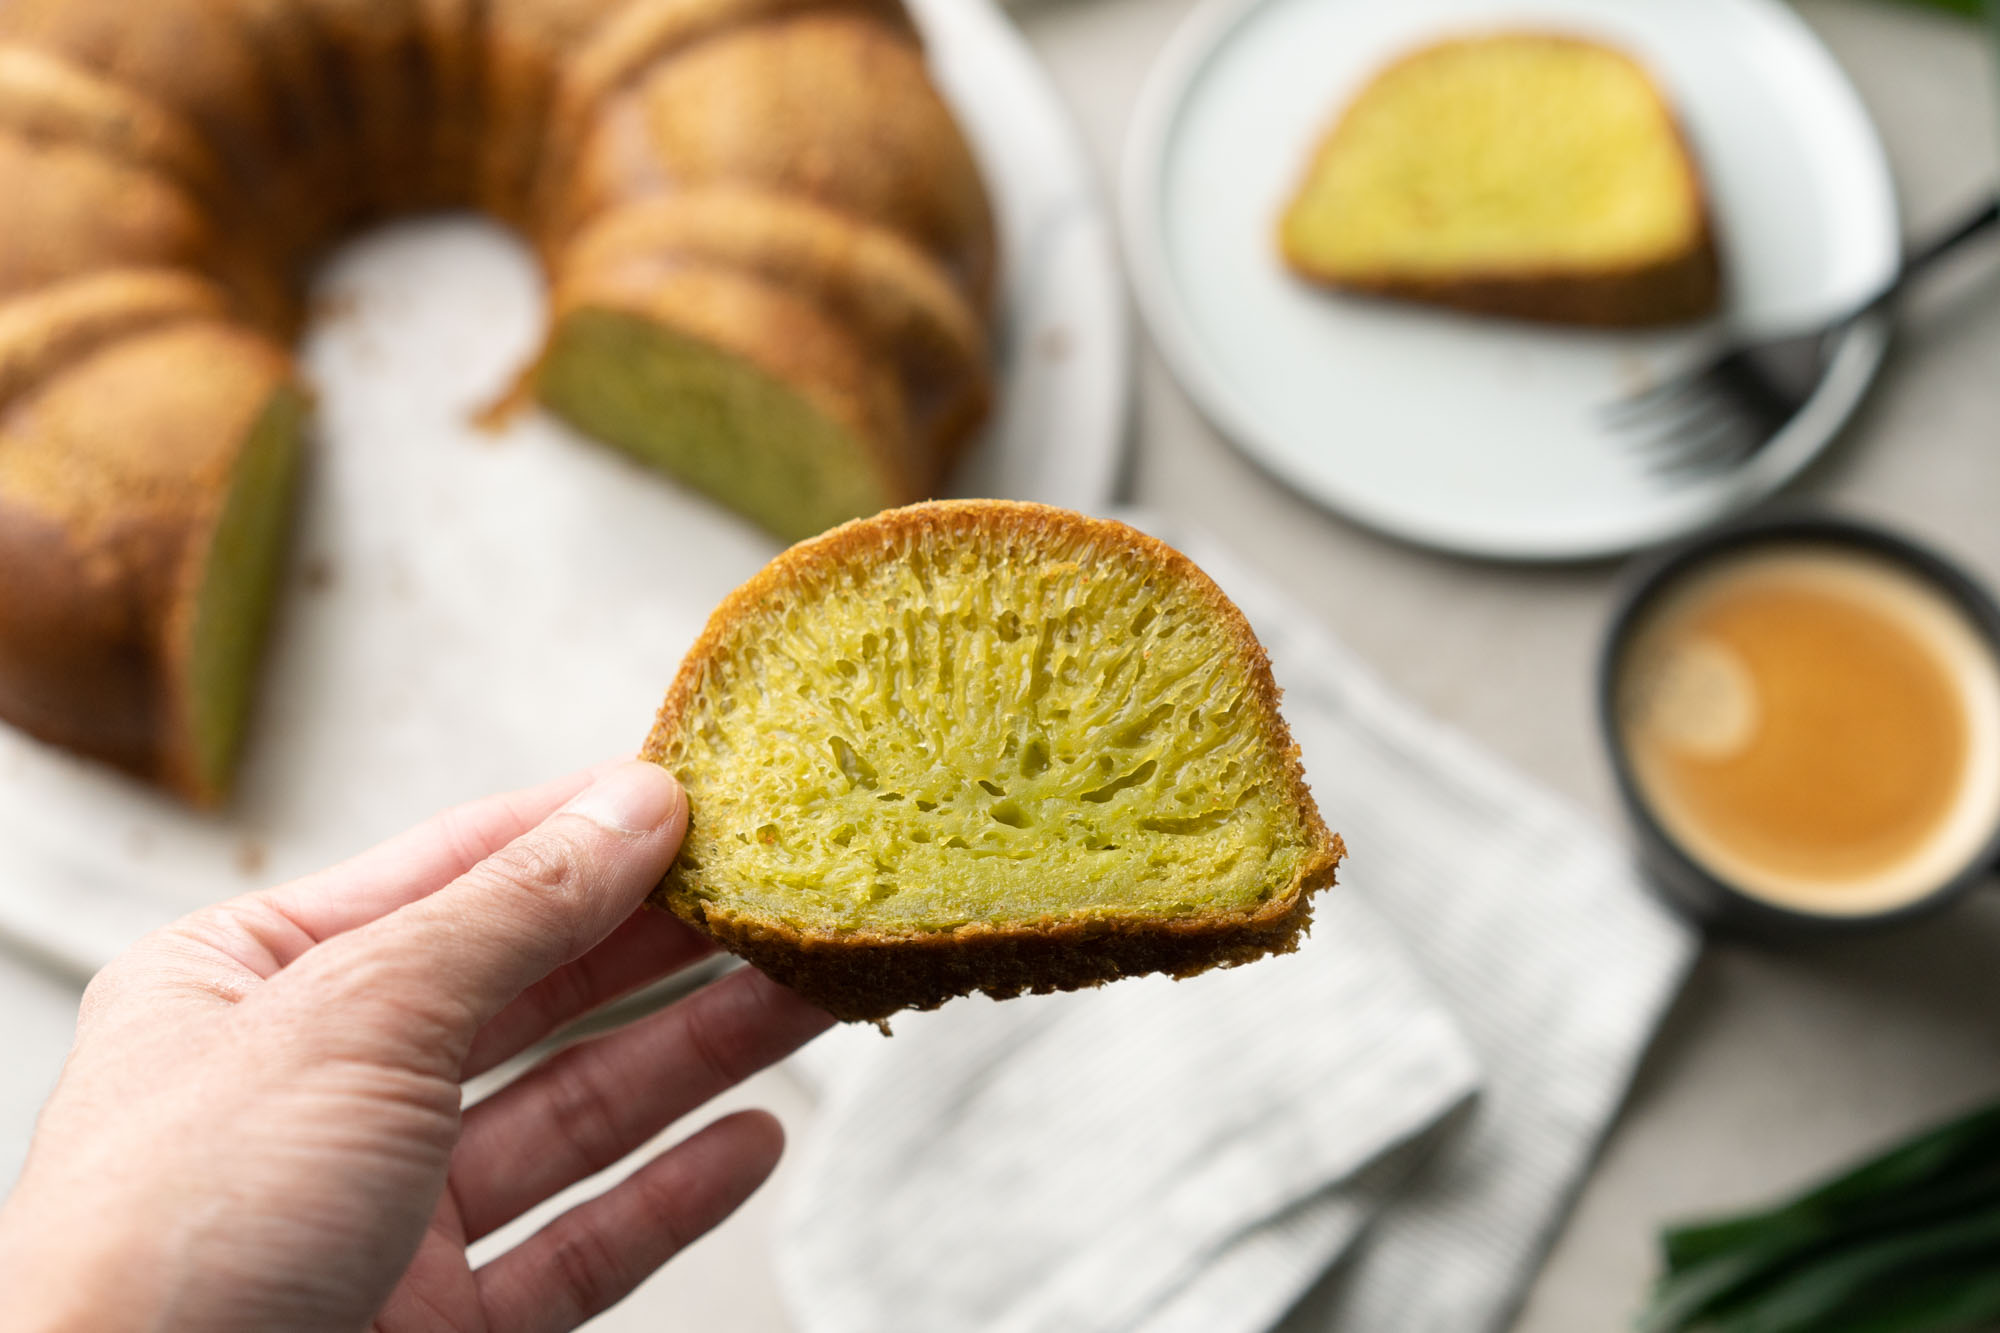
(769, 249)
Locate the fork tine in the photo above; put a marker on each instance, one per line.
(1669, 434)
(1687, 431)
(1750, 437)
(1654, 398)
(1729, 438)
(1709, 464)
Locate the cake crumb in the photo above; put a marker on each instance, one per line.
(339, 304)
(494, 419)
(319, 574)
(1054, 344)
(251, 854)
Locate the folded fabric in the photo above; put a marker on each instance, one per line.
(1198, 1155)
(1073, 1161)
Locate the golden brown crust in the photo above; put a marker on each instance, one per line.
(303, 193)
(524, 44)
(892, 296)
(828, 106)
(111, 474)
(859, 979)
(47, 99)
(200, 69)
(450, 30)
(73, 211)
(379, 66)
(42, 333)
(185, 55)
(867, 975)
(634, 39)
(1674, 290)
(100, 178)
(198, 60)
(644, 32)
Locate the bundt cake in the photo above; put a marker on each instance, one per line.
(1523, 174)
(985, 745)
(770, 252)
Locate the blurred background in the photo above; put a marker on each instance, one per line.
(1775, 1064)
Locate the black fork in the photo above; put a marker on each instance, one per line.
(1720, 413)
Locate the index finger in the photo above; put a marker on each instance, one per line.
(439, 968)
(419, 861)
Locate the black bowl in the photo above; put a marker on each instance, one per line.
(1678, 877)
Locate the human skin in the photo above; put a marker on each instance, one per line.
(259, 1124)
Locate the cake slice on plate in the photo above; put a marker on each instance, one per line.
(1522, 174)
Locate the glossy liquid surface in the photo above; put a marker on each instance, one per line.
(1818, 726)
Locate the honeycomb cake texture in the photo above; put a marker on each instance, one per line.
(984, 745)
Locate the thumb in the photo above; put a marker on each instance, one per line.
(456, 957)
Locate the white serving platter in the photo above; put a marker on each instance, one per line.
(1476, 435)
(470, 611)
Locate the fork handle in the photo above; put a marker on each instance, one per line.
(1916, 261)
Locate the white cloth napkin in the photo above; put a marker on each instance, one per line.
(1196, 1155)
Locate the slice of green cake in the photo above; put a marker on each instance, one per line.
(982, 745)
(164, 458)
(242, 566)
(744, 391)
(1513, 173)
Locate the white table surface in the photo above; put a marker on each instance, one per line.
(1775, 1065)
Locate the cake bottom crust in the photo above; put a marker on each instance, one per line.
(866, 977)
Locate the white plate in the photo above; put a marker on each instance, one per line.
(1481, 435)
(470, 612)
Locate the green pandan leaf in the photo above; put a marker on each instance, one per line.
(1886, 1223)
(1947, 1301)
(1970, 8)
(1869, 1280)
(1934, 1157)
(1847, 1279)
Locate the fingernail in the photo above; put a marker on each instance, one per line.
(633, 798)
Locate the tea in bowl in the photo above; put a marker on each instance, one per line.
(1804, 718)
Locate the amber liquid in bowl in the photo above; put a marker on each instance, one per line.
(1818, 726)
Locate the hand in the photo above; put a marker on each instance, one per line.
(259, 1124)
